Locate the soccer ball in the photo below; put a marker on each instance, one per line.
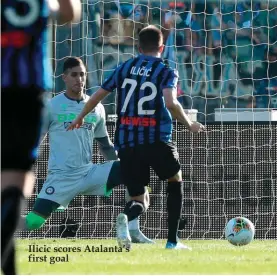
(239, 231)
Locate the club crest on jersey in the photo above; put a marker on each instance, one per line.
(50, 190)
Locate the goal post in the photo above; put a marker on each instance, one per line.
(225, 52)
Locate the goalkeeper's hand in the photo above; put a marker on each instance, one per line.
(77, 123)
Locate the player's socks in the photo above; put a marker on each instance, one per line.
(122, 231)
(33, 221)
(8, 267)
(10, 212)
(133, 209)
(174, 209)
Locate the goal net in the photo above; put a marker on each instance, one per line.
(226, 55)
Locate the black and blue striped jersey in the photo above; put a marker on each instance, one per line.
(25, 61)
(142, 116)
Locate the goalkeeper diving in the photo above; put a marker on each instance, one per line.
(70, 170)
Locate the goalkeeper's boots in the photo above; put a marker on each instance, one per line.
(122, 231)
(177, 246)
(138, 237)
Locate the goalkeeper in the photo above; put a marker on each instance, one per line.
(70, 171)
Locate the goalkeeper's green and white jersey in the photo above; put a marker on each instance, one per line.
(72, 150)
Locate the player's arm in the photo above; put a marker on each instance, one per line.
(177, 111)
(96, 98)
(65, 11)
(102, 138)
(175, 108)
(46, 120)
(106, 148)
(173, 105)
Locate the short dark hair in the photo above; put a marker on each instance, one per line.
(72, 62)
(150, 39)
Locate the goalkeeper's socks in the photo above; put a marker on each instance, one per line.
(10, 212)
(8, 267)
(133, 209)
(174, 208)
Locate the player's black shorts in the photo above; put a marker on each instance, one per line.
(21, 123)
(135, 164)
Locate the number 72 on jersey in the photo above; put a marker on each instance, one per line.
(142, 100)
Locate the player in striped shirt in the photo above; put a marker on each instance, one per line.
(25, 74)
(146, 104)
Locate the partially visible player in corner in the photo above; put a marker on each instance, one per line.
(146, 103)
(70, 170)
(25, 75)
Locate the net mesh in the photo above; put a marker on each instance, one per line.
(225, 53)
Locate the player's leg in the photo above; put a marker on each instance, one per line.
(95, 183)
(101, 180)
(175, 197)
(42, 210)
(58, 190)
(115, 179)
(167, 166)
(10, 212)
(8, 267)
(135, 175)
(21, 112)
(134, 228)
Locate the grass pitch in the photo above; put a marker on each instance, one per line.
(207, 257)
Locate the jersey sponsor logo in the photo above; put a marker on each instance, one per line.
(50, 190)
(66, 117)
(138, 121)
(16, 39)
(85, 125)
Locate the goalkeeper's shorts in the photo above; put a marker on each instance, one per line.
(21, 123)
(62, 187)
